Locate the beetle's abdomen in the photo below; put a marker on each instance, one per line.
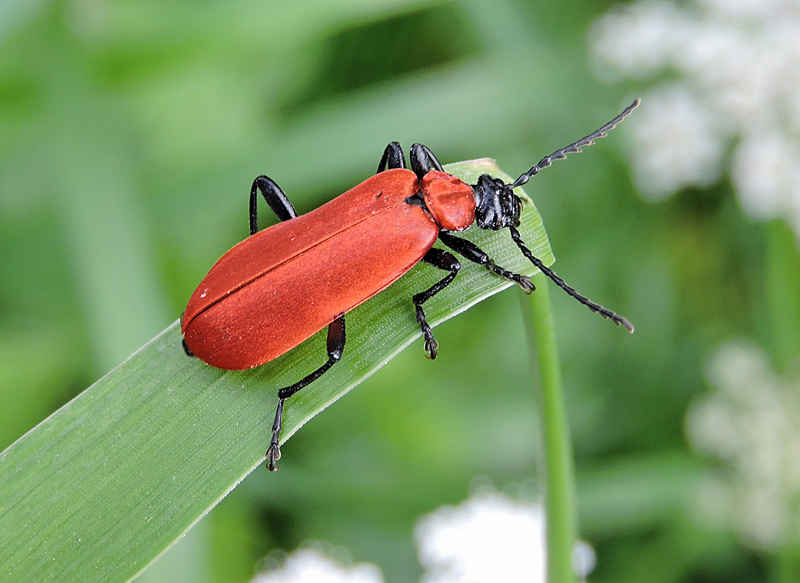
(293, 300)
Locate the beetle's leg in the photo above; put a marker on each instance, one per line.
(474, 253)
(336, 340)
(276, 199)
(595, 307)
(393, 157)
(186, 349)
(443, 260)
(423, 161)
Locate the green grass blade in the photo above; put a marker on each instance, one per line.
(105, 485)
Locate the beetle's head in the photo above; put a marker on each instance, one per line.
(496, 205)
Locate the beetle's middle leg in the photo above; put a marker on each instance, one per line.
(393, 157)
(423, 161)
(443, 260)
(336, 340)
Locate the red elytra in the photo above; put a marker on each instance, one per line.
(279, 287)
(276, 289)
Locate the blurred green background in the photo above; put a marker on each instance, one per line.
(130, 132)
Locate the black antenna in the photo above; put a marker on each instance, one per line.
(575, 148)
(605, 312)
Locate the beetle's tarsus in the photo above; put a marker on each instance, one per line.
(273, 455)
(526, 284)
(274, 450)
(431, 346)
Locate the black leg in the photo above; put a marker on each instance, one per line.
(186, 349)
(423, 161)
(392, 157)
(275, 198)
(336, 340)
(606, 313)
(443, 260)
(474, 253)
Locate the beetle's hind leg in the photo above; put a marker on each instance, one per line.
(443, 260)
(275, 197)
(336, 341)
(186, 349)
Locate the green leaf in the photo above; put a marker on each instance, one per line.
(109, 482)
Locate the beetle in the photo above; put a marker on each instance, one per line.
(281, 285)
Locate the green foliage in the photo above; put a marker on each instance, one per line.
(135, 460)
(130, 132)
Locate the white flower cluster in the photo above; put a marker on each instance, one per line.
(489, 537)
(314, 565)
(750, 423)
(729, 73)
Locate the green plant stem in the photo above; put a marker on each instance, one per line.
(558, 465)
(786, 567)
(782, 283)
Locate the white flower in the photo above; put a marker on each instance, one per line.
(735, 70)
(310, 565)
(750, 422)
(485, 539)
(639, 40)
(677, 143)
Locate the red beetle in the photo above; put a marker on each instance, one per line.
(282, 285)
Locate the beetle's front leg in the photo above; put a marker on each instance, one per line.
(474, 253)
